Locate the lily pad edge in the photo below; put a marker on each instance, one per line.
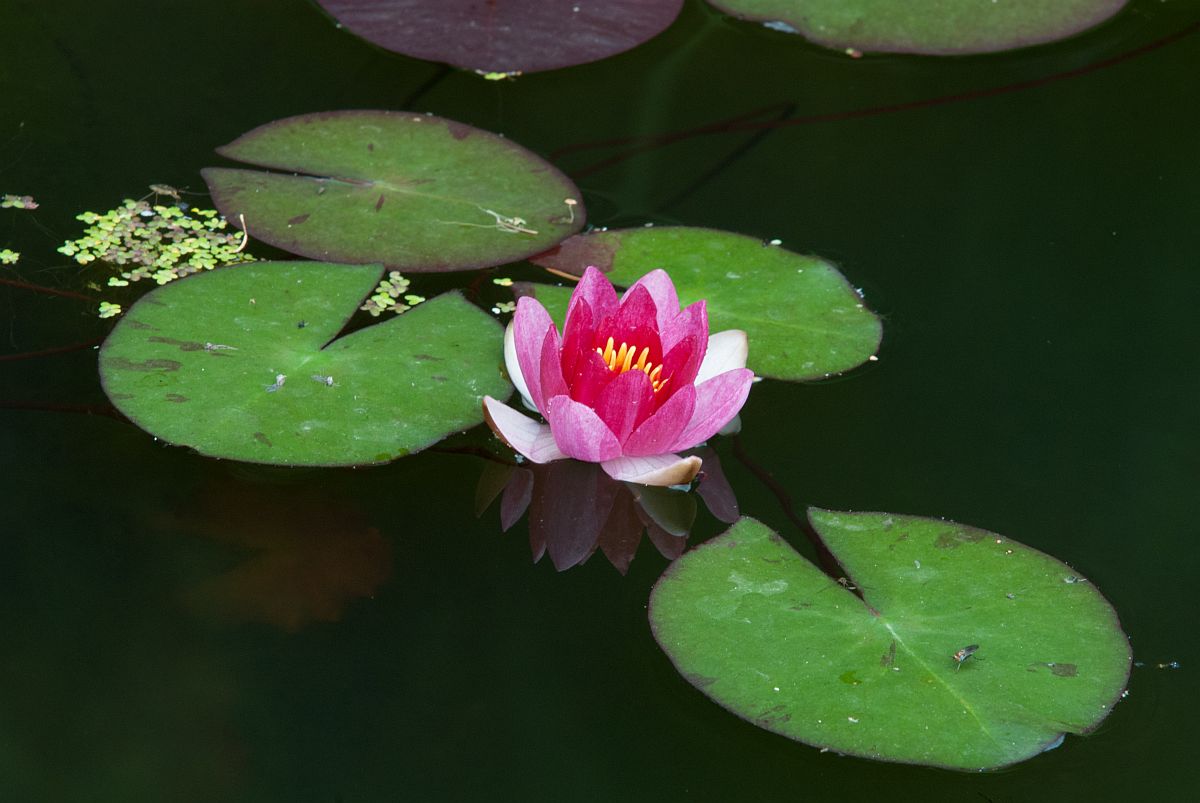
(767, 725)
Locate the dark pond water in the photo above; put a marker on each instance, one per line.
(178, 628)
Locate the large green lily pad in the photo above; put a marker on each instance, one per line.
(802, 317)
(199, 363)
(767, 635)
(936, 27)
(413, 191)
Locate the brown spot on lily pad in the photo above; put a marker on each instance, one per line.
(263, 439)
(954, 539)
(1057, 669)
(379, 203)
(176, 398)
(458, 130)
(184, 345)
(298, 219)
(774, 715)
(699, 681)
(122, 364)
(132, 324)
(426, 358)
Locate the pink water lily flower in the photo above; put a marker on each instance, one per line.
(630, 383)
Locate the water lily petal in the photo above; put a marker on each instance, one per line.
(664, 426)
(590, 379)
(636, 323)
(551, 368)
(514, 367)
(683, 362)
(726, 351)
(660, 469)
(691, 321)
(717, 401)
(579, 432)
(662, 290)
(530, 324)
(579, 337)
(595, 289)
(625, 403)
(534, 440)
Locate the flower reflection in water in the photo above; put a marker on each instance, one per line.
(575, 508)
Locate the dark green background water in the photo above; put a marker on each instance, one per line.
(1035, 254)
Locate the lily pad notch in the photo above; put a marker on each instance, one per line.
(967, 650)
(245, 363)
(412, 191)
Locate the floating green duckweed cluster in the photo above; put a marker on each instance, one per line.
(501, 307)
(162, 243)
(388, 294)
(9, 201)
(108, 310)
(8, 257)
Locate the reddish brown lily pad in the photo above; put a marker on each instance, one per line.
(506, 36)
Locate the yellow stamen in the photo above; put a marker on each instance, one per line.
(621, 359)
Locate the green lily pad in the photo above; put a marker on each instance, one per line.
(935, 27)
(413, 191)
(767, 635)
(243, 363)
(802, 317)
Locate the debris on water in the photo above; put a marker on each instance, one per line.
(780, 25)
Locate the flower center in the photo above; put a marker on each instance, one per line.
(623, 359)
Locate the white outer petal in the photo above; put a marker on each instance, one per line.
(659, 469)
(514, 367)
(726, 351)
(521, 432)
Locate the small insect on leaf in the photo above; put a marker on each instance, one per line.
(962, 655)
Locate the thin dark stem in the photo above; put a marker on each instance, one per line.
(37, 288)
(29, 355)
(106, 410)
(829, 563)
(727, 162)
(639, 144)
(438, 76)
(657, 139)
